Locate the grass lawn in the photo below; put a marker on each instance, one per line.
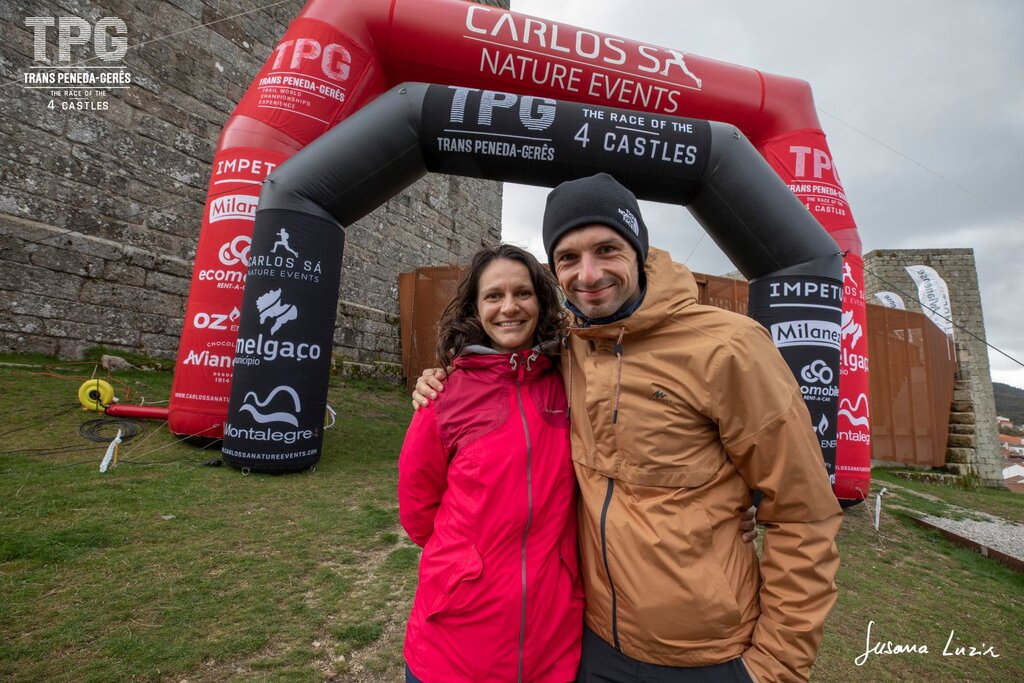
(164, 569)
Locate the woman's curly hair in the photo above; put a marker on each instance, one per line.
(460, 325)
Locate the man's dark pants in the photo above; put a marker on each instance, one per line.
(602, 663)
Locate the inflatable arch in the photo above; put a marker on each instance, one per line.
(339, 55)
(278, 399)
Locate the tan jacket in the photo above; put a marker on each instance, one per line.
(705, 410)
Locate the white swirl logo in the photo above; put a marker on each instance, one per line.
(236, 251)
(817, 372)
(850, 410)
(280, 416)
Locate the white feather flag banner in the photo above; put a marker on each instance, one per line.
(934, 296)
(891, 300)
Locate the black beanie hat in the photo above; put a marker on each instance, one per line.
(597, 199)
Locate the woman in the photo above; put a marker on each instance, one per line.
(486, 486)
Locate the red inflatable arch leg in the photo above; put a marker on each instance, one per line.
(323, 69)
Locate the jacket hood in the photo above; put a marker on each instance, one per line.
(670, 288)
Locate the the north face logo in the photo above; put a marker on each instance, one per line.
(629, 219)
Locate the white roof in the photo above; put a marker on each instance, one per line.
(1013, 471)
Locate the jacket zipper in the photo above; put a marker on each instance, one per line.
(529, 510)
(604, 553)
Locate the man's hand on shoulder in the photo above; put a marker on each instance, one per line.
(428, 386)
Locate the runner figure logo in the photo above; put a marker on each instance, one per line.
(678, 60)
(282, 241)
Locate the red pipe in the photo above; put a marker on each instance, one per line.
(139, 412)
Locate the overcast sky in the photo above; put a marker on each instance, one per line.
(941, 82)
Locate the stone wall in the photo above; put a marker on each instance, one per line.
(101, 209)
(973, 438)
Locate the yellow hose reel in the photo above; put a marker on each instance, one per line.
(95, 394)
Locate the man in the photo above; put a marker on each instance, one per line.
(678, 411)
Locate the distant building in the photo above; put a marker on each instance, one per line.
(1013, 444)
(1013, 475)
(1004, 421)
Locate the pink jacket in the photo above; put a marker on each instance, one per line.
(486, 486)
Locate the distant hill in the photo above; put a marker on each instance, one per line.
(1009, 402)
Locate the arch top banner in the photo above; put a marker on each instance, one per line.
(339, 55)
(503, 136)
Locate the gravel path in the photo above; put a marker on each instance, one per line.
(994, 533)
(985, 530)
